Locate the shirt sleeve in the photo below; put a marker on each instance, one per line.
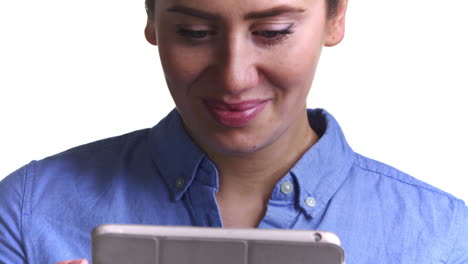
(459, 254)
(11, 203)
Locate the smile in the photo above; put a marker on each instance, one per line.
(235, 114)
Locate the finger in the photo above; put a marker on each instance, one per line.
(76, 261)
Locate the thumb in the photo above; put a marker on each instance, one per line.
(76, 261)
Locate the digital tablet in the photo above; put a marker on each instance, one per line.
(140, 244)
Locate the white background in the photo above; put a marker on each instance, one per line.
(72, 72)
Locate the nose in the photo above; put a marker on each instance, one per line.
(237, 66)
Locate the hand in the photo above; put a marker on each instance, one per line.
(76, 261)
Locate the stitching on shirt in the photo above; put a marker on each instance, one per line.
(332, 187)
(282, 202)
(428, 188)
(25, 174)
(26, 205)
(188, 202)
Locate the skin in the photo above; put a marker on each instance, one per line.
(239, 61)
(76, 261)
(235, 62)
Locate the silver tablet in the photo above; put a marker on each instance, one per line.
(139, 244)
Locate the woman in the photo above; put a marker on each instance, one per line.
(241, 150)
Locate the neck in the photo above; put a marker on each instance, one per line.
(251, 174)
(247, 179)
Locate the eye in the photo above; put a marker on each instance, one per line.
(195, 34)
(272, 34)
(272, 37)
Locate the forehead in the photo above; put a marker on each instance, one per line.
(233, 8)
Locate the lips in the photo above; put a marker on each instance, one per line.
(237, 114)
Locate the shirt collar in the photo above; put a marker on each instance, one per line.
(324, 167)
(174, 154)
(318, 173)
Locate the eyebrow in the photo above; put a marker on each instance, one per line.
(271, 12)
(275, 11)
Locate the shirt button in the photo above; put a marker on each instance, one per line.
(287, 187)
(310, 201)
(180, 183)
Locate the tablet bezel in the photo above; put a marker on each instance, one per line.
(189, 233)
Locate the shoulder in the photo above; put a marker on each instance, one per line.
(101, 152)
(388, 175)
(112, 144)
(412, 207)
(402, 190)
(42, 199)
(78, 167)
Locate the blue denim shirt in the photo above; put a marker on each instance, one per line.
(159, 176)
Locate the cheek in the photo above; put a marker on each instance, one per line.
(179, 67)
(296, 62)
(181, 64)
(292, 76)
(294, 71)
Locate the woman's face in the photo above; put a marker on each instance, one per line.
(240, 70)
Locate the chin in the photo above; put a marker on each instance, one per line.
(212, 136)
(237, 143)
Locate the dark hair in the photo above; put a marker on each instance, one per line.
(332, 6)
